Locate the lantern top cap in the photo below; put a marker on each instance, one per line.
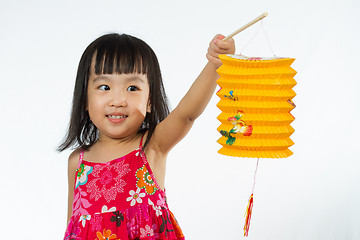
(243, 57)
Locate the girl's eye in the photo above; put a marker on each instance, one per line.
(132, 88)
(104, 87)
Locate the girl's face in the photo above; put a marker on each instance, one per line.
(117, 103)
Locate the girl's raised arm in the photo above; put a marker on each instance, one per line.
(173, 128)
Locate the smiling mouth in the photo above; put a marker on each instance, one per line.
(116, 116)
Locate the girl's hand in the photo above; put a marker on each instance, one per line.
(217, 46)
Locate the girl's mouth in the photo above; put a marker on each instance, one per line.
(116, 116)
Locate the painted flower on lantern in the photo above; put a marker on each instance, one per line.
(239, 127)
(254, 58)
(145, 180)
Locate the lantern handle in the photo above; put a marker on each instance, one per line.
(246, 26)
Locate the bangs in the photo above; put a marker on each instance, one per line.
(122, 55)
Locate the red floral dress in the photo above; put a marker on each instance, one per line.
(120, 199)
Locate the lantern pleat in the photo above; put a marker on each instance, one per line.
(257, 83)
(254, 153)
(256, 106)
(256, 100)
(261, 119)
(264, 131)
(246, 93)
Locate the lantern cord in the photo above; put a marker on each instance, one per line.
(256, 33)
(262, 25)
(257, 164)
(249, 208)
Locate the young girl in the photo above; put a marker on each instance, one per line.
(123, 131)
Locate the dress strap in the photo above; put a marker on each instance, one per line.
(140, 145)
(81, 157)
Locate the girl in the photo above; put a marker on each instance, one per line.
(123, 131)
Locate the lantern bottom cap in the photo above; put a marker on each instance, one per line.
(256, 153)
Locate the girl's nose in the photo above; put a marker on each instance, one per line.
(118, 100)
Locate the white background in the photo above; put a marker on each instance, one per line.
(313, 194)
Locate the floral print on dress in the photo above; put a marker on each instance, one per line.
(146, 232)
(82, 174)
(80, 203)
(155, 228)
(72, 231)
(145, 180)
(108, 181)
(106, 235)
(105, 209)
(119, 200)
(166, 225)
(117, 217)
(95, 222)
(83, 219)
(135, 197)
(133, 228)
(157, 209)
(162, 201)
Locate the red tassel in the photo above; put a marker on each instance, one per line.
(248, 216)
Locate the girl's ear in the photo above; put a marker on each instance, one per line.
(148, 108)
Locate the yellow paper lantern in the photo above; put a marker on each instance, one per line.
(256, 99)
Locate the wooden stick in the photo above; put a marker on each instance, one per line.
(246, 26)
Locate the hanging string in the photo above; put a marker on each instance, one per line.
(267, 38)
(256, 33)
(249, 208)
(257, 164)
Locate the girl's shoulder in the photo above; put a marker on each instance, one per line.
(74, 159)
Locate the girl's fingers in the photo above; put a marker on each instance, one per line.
(228, 44)
(216, 53)
(215, 48)
(218, 45)
(216, 61)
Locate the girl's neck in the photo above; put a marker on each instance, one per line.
(106, 149)
(108, 142)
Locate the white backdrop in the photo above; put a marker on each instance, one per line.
(313, 194)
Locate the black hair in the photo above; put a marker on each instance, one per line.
(121, 54)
